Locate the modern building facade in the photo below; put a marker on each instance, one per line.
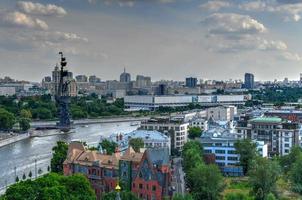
(280, 135)
(151, 102)
(249, 81)
(191, 82)
(176, 130)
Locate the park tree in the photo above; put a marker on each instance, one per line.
(59, 156)
(205, 182)
(108, 146)
(247, 151)
(192, 151)
(194, 132)
(263, 176)
(136, 144)
(182, 197)
(24, 124)
(287, 161)
(24, 113)
(296, 175)
(52, 187)
(7, 119)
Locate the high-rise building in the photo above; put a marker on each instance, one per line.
(81, 78)
(249, 81)
(191, 82)
(125, 77)
(161, 89)
(94, 79)
(143, 81)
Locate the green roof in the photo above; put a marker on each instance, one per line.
(267, 119)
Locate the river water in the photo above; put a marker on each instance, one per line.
(19, 158)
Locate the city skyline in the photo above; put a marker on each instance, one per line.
(164, 39)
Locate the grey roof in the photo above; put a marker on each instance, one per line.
(158, 156)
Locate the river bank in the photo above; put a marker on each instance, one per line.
(82, 122)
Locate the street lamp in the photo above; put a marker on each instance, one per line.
(118, 189)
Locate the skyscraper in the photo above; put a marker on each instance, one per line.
(125, 77)
(249, 81)
(191, 82)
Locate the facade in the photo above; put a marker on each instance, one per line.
(222, 113)
(201, 123)
(94, 79)
(147, 174)
(125, 77)
(151, 102)
(280, 135)
(220, 142)
(81, 78)
(292, 115)
(191, 82)
(176, 130)
(143, 81)
(249, 81)
(152, 139)
(7, 91)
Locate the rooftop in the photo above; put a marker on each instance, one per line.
(266, 120)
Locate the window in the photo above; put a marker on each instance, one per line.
(232, 158)
(220, 158)
(207, 151)
(133, 185)
(140, 186)
(231, 152)
(286, 145)
(220, 151)
(153, 188)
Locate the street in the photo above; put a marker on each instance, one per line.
(178, 181)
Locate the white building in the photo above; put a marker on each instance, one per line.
(176, 130)
(150, 102)
(222, 113)
(221, 142)
(203, 124)
(7, 91)
(152, 139)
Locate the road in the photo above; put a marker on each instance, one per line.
(178, 177)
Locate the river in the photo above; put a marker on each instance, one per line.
(20, 157)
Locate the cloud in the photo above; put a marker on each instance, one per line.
(128, 3)
(18, 19)
(52, 38)
(291, 56)
(231, 23)
(215, 5)
(40, 9)
(290, 10)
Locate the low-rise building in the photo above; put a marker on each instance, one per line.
(147, 174)
(222, 113)
(151, 139)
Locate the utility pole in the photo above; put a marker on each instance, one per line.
(36, 168)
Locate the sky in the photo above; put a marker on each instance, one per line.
(164, 39)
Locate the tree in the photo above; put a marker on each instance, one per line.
(108, 146)
(247, 151)
(59, 156)
(124, 195)
(205, 182)
(237, 196)
(52, 187)
(24, 124)
(24, 113)
(263, 176)
(24, 177)
(17, 179)
(287, 161)
(30, 174)
(136, 144)
(182, 197)
(192, 151)
(7, 119)
(194, 132)
(296, 175)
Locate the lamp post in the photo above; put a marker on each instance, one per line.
(118, 189)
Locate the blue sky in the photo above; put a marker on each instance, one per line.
(165, 39)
